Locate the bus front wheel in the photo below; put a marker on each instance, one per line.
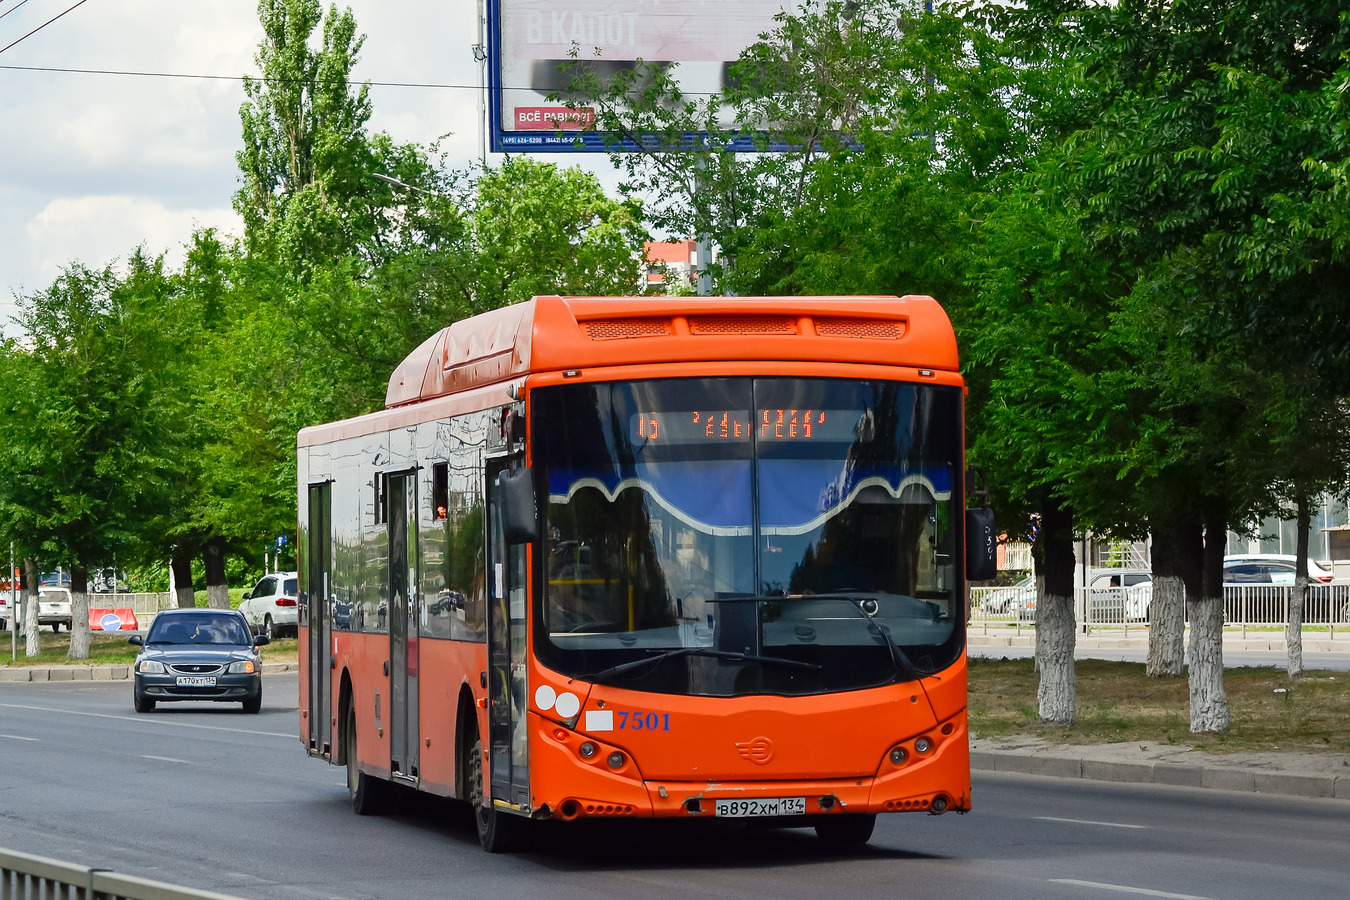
(498, 832)
(846, 830)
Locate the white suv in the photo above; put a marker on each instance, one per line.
(270, 607)
(54, 607)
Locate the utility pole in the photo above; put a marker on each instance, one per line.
(13, 609)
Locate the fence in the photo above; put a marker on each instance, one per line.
(1246, 606)
(27, 877)
(144, 605)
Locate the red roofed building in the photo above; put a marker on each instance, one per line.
(673, 259)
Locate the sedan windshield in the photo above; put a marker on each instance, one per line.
(198, 630)
(801, 531)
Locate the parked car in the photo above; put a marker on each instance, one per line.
(1256, 585)
(198, 654)
(107, 581)
(1019, 600)
(55, 579)
(1270, 568)
(1120, 595)
(54, 607)
(270, 607)
(4, 611)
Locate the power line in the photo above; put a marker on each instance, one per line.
(40, 27)
(402, 84)
(407, 84)
(12, 8)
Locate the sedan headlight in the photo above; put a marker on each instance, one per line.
(243, 667)
(150, 667)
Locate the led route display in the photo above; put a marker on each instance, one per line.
(698, 426)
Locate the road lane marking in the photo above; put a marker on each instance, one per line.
(148, 720)
(166, 759)
(17, 737)
(1126, 889)
(1088, 822)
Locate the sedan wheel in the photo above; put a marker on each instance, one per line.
(142, 703)
(253, 704)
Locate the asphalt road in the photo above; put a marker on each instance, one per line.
(206, 796)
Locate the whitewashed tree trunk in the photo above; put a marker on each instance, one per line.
(1209, 701)
(1040, 632)
(1167, 627)
(33, 640)
(217, 589)
(79, 615)
(218, 596)
(1057, 692)
(180, 582)
(1293, 635)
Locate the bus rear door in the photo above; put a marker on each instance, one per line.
(403, 646)
(319, 566)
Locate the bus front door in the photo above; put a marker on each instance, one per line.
(508, 757)
(318, 547)
(403, 623)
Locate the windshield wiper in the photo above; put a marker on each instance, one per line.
(868, 607)
(600, 676)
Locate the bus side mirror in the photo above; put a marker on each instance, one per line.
(519, 519)
(981, 545)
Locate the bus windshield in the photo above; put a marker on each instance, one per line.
(786, 536)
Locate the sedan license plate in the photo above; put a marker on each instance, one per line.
(768, 806)
(196, 681)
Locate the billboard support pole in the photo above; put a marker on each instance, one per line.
(480, 56)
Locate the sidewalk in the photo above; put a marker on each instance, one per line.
(1287, 773)
(97, 673)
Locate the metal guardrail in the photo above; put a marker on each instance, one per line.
(27, 877)
(1120, 609)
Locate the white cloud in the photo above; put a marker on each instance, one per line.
(97, 164)
(108, 228)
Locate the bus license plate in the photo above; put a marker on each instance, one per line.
(196, 681)
(769, 806)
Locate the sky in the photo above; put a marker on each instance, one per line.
(96, 164)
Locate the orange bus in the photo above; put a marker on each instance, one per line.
(636, 557)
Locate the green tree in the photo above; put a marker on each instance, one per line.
(85, 433)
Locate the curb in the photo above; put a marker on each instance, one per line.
(29, 674)
(1219, 778)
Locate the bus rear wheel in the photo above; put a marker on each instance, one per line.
(498, 832)
(370, 796)
(846, 830)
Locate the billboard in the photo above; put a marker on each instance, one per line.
(529, 39)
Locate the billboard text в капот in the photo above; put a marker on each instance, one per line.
(537, 36)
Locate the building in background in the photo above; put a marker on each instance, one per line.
(670, 266)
